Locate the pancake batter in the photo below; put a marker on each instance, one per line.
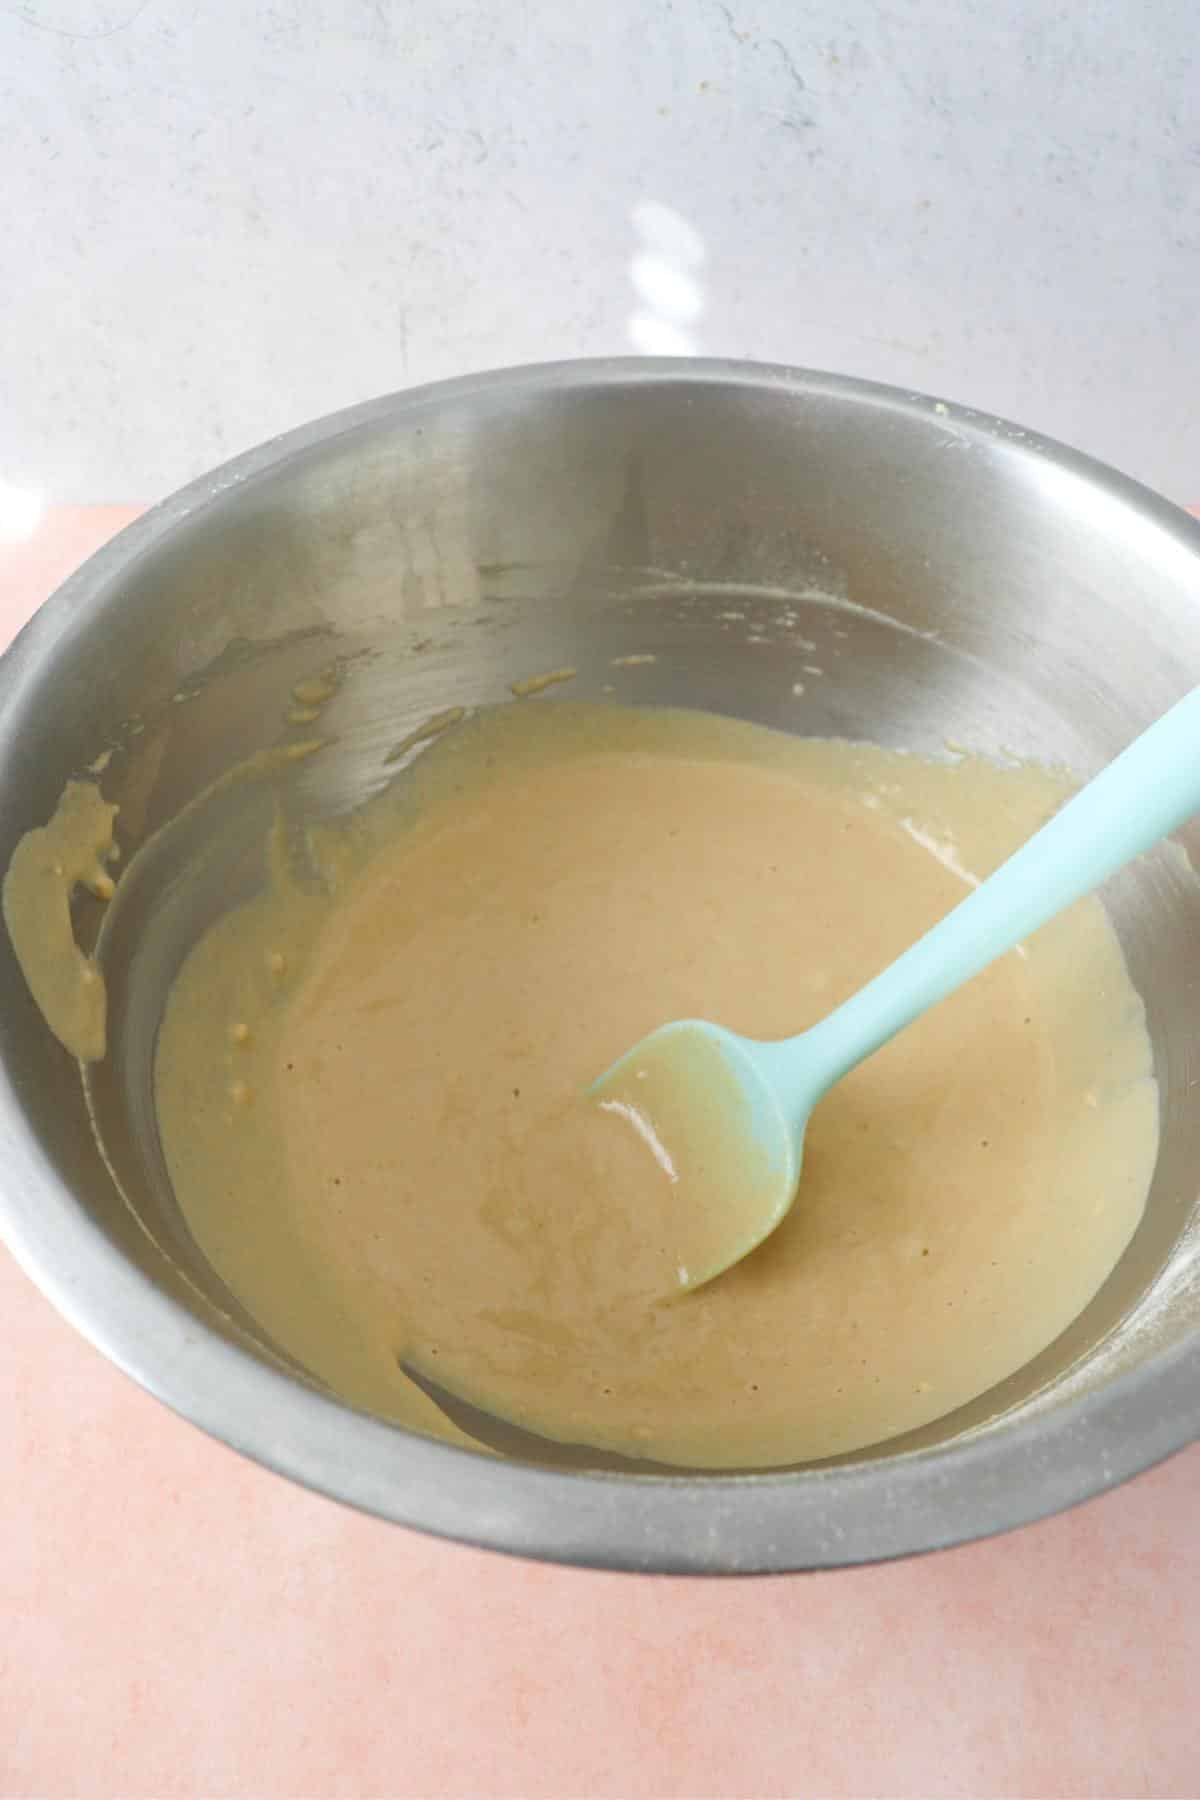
(369, 1089)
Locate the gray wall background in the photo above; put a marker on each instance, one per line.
(222, 218)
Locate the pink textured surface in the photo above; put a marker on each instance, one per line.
(177, 1622)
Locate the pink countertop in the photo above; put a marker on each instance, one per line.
(178, 1622)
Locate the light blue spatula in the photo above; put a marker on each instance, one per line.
(725, 1116)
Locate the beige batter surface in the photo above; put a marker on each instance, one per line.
(74, 849)
(370, 1089)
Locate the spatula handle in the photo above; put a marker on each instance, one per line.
(1143, 795)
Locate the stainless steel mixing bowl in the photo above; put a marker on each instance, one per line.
(923, 573)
